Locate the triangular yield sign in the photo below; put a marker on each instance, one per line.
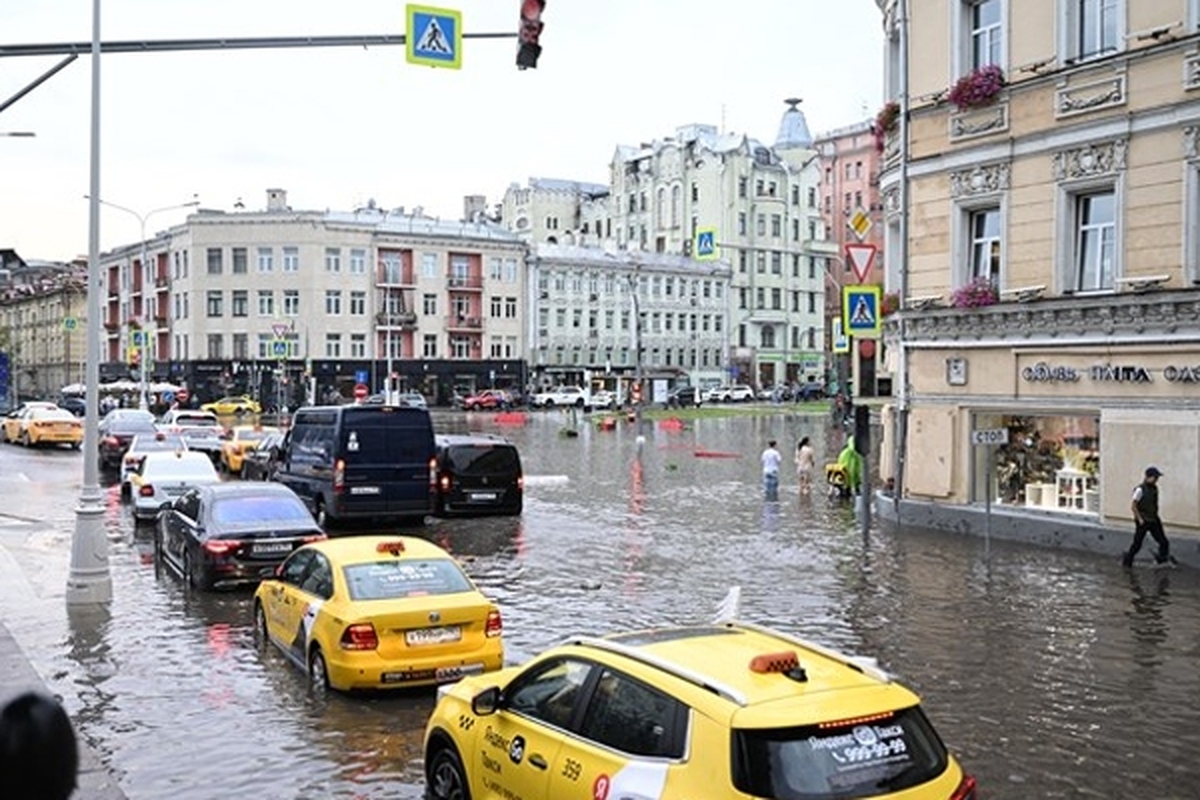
(861, 256)
(280, 329)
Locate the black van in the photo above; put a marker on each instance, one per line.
(478, 475)
(359, 461)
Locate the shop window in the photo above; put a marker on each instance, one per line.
(1051, 462)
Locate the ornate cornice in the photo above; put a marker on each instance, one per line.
(891, 202)
(982, 180)
(1191, 142)
(1072, 100)
(1089, 161)
(1191, 72)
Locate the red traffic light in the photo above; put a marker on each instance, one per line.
(530, 30)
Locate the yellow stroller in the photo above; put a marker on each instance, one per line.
(837, 480)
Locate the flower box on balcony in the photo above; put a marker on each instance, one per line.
(977, 89)
(978, 292)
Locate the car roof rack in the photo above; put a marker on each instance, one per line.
(860, 663)
(636, 654)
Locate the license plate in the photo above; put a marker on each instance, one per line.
(454, 673)
(483, 495)
(364, 490)
(271, 548)
(449, 633)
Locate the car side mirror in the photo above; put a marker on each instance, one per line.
(486, 702)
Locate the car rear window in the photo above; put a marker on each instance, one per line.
(258, 509)
(178, 469)
(862, 757)
(482, 459)
(385, 580)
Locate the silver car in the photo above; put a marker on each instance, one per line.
(139, 446)
(165, 476)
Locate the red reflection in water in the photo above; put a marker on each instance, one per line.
(218, 639)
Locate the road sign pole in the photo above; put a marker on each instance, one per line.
(987, 504)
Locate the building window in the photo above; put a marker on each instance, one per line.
(695, 192)
(776, 225)
(216, 346)
(777, 299)
(215, 304)
(762, 225)
(358, 262)
(676, 202)
(494, 308)
(266, 260)
(743, 185)
(1051, 462)
(429, 347)
(510, 308)
(1095, 245)
(214, 260)
(333, 260)
(812, 196)
(291, 259)
(291, 302)
(776, 262)
(985, 244)
(241, 345)
(460, 347)
(266, 303)
(761, 258)
(333, 302)
(760, 298)
(429, 265)
(429, 305)
(333, 345)
(239, 260)
(768, 337)
(358, 304)
(985, 33)
(1091, 28)
(510, 270)
(741, 223)
(358, 345)
(240, 304)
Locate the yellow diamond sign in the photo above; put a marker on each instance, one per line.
(860, 223)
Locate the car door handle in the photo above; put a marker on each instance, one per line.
(537, 761)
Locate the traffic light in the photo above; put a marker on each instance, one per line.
(530, 30)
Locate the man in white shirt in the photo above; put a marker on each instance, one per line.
(771, 459)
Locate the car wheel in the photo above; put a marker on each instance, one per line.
(192, 576)
(318, 674)
(446, 777)
(319, 514)
(261, 635)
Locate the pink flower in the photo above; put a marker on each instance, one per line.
(979, 292)
(977, 88)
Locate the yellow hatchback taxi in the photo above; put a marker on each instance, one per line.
(241, 440)
(378, 612)
(728, 710)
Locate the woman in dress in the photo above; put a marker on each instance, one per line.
(805, 461)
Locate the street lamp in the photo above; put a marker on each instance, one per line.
(143, 392)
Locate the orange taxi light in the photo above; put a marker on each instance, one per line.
(845, 723)
(785, 661)
(395, 548)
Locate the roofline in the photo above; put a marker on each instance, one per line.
(636, 654)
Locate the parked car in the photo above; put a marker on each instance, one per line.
(166, 476)
(179, 418)
(36, 426)
(478, 475)
(378, 612)
(361, 461)
(240, 440)
(76, 405)
(233, 406)
(725, 710)
(139, 446)
(604, 399)
(560, 397)
(716, 394)
(261, 463)
(202, 439)
(225, 534)
(684, 397)
(739, 393)
(414, 399)
(117, 430)
(487, 400)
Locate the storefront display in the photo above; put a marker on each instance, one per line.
(1051, 462)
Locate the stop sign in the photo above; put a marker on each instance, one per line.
(360, 391)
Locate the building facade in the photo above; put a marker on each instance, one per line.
(43, 325)
(557, 211)
(261, 301)
(596, 309)
(852, 211)
(1053, 255)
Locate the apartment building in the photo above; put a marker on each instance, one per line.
(1052, 257)
(255, 300)
(43, 325)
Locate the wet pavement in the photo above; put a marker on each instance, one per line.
(1050, 673)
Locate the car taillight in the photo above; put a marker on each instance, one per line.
(965, 790)
(445, 484)
(494, 625)
(339, 475)
(147, 490)
(221, 547)
(316, 537)
(360, 637)
(432, 474)
(521, 482)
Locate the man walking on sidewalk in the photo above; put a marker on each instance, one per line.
(1146, 519)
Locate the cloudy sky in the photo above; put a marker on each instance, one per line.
(338, 127)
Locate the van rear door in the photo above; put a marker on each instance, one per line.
(386, 451)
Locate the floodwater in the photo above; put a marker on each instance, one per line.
(1050, 674)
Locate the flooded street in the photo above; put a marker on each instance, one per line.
(1050, 674)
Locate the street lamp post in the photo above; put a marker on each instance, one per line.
(144, 391)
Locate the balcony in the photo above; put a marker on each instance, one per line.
(458, 283)
(1044, 320)
(466, 324)
(404, 319)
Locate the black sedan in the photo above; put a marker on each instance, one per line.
(232, 533)
(117, 430)
(261, 463)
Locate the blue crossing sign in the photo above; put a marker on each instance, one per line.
(861, 315)
(279, 348)
(433, 36)
(705, 246)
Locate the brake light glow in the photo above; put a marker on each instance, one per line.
(846, 723)
(395, 548)
(433, 473)
(316, 537)
(360, 637)
(785, 661)
(221, 547)
(521, 482)
(966, 789)
(445, 484)
(339, 475)
(146, 490)
(495, 626)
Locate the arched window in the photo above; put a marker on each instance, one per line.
(676, 197)
(660, 207)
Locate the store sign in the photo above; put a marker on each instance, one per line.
(1044, 372)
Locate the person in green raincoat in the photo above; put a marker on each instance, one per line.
(852, 465)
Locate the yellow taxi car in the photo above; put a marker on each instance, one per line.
(38, 425)
(378, 612)
(233, 406)
(241, 439)
(728, 710)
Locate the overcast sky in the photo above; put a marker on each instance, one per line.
(338, 127)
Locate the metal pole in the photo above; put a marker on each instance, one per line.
(987, 503)
(900, 422)
(89, 580)
(144, 401)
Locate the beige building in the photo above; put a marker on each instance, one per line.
(553, 211)
(43, 325)
(228, 298)
(1070, 196)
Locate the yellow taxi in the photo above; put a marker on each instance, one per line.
(231, 406)
(241, 439)
(38, 425)
(378, 612)
(728, 710)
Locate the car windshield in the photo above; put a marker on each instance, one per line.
(157, 444)
(51, 414)
(866, 757)
(482, 459)
(386, 580)
(257, 509)
(132, 425)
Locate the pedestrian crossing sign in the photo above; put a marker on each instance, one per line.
(860, 311)
(705, 246)
(433, 36)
